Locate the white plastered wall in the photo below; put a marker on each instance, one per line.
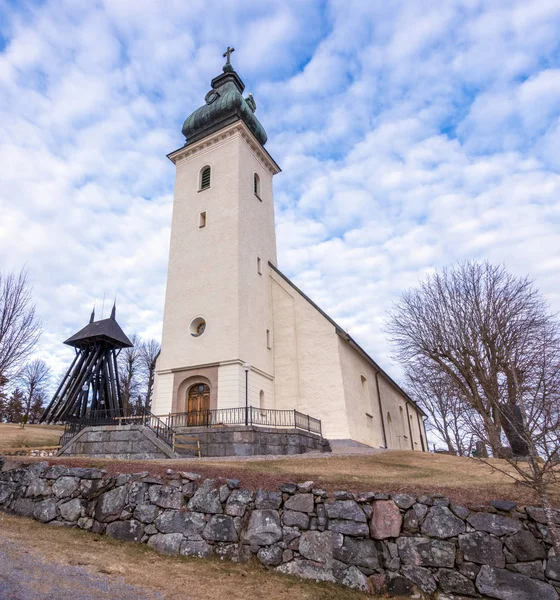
(307, 371)
(213, 271)
(361, 397)
(321, 374)
(163, 394)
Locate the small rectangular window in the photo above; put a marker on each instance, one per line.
(259, 269)
(202, 220)
(369, 419)
(268, 345)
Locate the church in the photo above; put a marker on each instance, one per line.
(236, 331)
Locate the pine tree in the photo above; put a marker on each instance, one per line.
(14, 407)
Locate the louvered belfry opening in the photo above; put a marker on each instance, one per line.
(205, 178)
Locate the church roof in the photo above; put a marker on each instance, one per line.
(348, 338)
(224, 105)
(106, 330)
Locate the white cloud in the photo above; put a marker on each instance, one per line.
(410, 134)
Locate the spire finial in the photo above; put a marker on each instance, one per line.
(227, 67)
(92, 318)
(114, 310)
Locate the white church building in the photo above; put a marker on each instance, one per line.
(235, 328)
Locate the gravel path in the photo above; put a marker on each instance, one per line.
(24, 576)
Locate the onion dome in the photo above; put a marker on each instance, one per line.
(224, 105)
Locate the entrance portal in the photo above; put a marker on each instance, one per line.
(198, 404)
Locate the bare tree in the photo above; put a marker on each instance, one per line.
(149, 351)
(476, 324)
(129, 371)
(19, 327)
(447, 417)
(33, 381)
(487, 337)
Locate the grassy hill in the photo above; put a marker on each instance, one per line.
(464, 480)
(13, 436)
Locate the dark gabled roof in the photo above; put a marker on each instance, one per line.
(347, 338)
(106, 330)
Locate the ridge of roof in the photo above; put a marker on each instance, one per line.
(347, 337)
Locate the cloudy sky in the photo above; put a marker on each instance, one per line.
(411, 134)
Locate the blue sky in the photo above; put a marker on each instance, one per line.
(411, 134)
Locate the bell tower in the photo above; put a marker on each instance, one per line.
(218, 309)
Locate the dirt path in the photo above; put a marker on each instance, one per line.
(43, 562)
(25, 576)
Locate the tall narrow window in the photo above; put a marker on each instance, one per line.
(205, 178)
(268, 345)
(202, 219)
(259, 269)
(257, 186)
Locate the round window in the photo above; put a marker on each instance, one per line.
(197, 327)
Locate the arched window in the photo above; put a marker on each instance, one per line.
(257, 186)
(261, 399)
(205, 178)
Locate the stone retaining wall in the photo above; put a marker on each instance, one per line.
(121, 442)
(397, 545)
(253, 441)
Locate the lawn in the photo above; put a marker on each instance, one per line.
(13, 436)
(464, 480)
(176, 578)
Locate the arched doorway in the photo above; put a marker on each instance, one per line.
(198, 404)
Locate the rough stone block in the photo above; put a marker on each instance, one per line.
(200, 549)
(71, 510)
(421, 577)
(130, 531)
(505, 585)
(345, 509)
(482, 548)
(206, 499)
(167, 543)
(442, 523)
(351, 528)
(386, 520)
(292, 518)
(525, 546)
(491, 523)
(425, 552)
(362, 553)
(220, 528)
(166, 496)
(110, 505)
(263, 528)
(45, 511)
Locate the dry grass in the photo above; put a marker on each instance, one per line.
(13, 436)
(173, 577)
(462, 479)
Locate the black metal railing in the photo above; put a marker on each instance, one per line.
(260, 417)
(99, 418)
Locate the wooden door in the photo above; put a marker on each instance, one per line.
(198, 405)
